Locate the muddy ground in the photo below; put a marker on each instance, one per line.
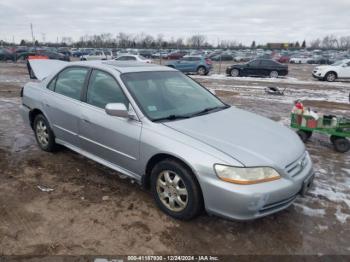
(93, 210)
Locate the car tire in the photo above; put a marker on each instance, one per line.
(234, 72)
(331, 76)
(201, 71)
(341, 144)
(304, 135)
(176, 190)
(43, 134)
(274, 74)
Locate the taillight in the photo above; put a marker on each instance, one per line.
(208, 61)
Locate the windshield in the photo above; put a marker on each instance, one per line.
(169, 95)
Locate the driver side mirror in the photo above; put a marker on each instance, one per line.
(120, 110)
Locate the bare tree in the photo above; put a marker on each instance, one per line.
(196, 41)
(315, 44)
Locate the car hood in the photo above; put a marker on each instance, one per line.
(326, 67)
(248, 138)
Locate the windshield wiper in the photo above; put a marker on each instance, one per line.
(171, 117)
(209, 109)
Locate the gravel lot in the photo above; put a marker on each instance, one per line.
(93, 210)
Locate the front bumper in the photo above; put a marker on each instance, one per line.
(247, 202)
(317, 75)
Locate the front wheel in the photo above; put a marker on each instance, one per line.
(273, 74)
(176, 190)
(43, 134)
(234, 72)
(331, 77)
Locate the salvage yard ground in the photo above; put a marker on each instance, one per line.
(94, 210)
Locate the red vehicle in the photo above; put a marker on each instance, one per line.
(176, 55)
(283, 59)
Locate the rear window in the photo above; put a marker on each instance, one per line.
(70, 82)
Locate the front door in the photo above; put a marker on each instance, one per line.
(253, 68)
(113, 139)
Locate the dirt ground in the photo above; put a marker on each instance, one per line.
(92, 210)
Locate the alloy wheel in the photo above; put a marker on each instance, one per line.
(172, 191)
(234, 72)
(42, 133)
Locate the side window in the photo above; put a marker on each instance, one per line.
(70, 82)
(254, 63)
(103, 89)
(52, 84)
(267, 63)
(348, 64)
(122, 58)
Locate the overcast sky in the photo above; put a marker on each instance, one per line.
(241, 20)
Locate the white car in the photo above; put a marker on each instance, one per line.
(136, 58)
(340, 69)
(299, 60)
(97, 55)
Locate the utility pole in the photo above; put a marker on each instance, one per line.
(31, 29)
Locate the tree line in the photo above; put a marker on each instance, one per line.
(142, 40)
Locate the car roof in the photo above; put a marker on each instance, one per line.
(123, 66)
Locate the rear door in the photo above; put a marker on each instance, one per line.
(113, 139)
(266, 67)
(62, 106)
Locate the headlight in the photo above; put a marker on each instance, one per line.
(246, 175)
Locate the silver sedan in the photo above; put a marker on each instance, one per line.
(170, 134)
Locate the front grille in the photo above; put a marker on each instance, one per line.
(295, 168)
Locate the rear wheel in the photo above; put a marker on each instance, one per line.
(176, 190)
(234, 72)
(43, 134)
(201, 71)
(341, 144)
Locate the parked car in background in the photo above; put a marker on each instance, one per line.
(283, 59)
(43, 53)
(258, 67)
(222, 57)
(6, 55)
(97, 55)
(136, 58)
(330, 73)
(147, 53)
(170, 134)
(299, 60)
(192, 64)
(321, 60)
(176, 55)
